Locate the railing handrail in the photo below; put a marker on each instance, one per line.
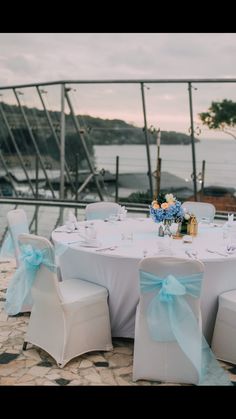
(120, 81)
(130, 206)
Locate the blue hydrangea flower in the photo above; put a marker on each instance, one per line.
(173, 212)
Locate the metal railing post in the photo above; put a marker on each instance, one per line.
(192, 141)
(81, 135)
(62, 144)
(34, 141)
(203, 177)
(117, 180)
(62, 150)
(16, 148)
(158, 176)
(8, 174)
(55, 136)
(147, 141)
(36, 177)
(76, 180)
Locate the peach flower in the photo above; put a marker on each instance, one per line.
(165, 205)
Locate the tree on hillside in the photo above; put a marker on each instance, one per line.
(221, 116)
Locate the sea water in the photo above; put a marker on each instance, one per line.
(219, 155)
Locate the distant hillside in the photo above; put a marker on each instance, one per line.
(97, 130)
(116, 131)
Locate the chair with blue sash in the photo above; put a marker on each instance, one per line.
(17, 224)
(101, 210)
(169, 345)
(68, 318)
(224, 337)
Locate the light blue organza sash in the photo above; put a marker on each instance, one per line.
(8, 248)
(60, 248)
(18, 291)
(170, 318)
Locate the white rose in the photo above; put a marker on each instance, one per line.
(169, 197)
(186, 216)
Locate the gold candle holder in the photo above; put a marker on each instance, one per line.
(192, 228)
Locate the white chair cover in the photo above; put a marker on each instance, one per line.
(200, 210)
(17, 223)
(224, 336)
(163, 361)
(68, 318)
(101, 210)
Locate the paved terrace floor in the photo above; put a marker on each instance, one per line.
(34, 367)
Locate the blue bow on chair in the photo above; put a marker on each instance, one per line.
(22, 280)
(170, 318)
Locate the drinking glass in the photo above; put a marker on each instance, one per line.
(127, 237)
(164, 245)
(174, 228)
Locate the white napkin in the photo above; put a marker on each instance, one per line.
(230, 219)
(122, 213)
(71, 224)
(70, 227)
(90, 237)
(89, 243)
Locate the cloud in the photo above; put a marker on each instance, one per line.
(23, 64)
(42, 57)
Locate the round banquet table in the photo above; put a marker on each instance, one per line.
(116, 267)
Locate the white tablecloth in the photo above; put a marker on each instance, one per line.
(117, 269)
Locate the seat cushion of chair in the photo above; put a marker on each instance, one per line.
(228, 299)
(77, 289)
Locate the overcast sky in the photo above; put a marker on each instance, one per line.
(41, 57)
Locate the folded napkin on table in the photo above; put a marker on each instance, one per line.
(71, 224)
(122, 213)
(70, 227)
(61, 229)
(230, 219)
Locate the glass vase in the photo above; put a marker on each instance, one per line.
(167, 227)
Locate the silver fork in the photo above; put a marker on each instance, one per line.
(194, 254)
(106, 248)
(191, 253)
(216, 252)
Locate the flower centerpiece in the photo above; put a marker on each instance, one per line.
(166, 208)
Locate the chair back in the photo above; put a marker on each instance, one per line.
(45, 285)
(200, 210)
(177, 267)
(17, 223)
(101, 210)
(167, 344)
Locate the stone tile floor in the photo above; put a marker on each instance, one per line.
(34, 367)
